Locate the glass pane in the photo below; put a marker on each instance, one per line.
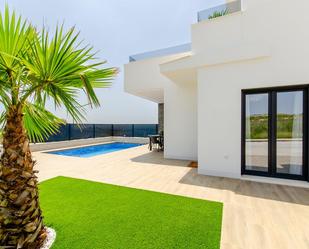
(290, 132)
(257, 132)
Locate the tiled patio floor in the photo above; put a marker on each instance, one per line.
(256, 215)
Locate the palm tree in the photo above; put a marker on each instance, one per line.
(36, 67)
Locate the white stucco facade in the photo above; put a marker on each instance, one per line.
(265, 44)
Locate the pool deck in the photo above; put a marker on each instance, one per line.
(256, 215)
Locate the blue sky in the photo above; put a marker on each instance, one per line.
(287, 103)
(118, 29)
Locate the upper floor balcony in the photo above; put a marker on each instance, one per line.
(220, 10)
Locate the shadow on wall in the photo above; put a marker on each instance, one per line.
(156, 157)
(249, 188)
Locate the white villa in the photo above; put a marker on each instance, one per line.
(236, 98)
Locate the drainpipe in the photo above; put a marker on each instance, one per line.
(161, 117)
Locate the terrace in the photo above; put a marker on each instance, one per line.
(102, 187)
(255, 215)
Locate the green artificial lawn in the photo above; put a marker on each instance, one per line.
(95, 216)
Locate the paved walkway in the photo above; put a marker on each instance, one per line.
(256, 215)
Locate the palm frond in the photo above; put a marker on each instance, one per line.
(37, 66)
(60, 64)
(2, 120)
(39, 122)
(67, 97)
(14, 36)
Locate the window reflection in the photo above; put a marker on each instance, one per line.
(290, 132)
(257, 132)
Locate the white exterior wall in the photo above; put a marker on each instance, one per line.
(265, 45)
(275, 32)
(180, 121)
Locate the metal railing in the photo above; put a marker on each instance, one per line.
(161, 52)
(74, 131)
(227, 8)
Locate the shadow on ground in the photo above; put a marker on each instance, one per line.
(249, 188)
(156, 157)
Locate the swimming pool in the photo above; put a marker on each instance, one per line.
(94, 150)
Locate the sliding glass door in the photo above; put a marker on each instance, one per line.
(289, 132)
(274, 133)
(257, 130)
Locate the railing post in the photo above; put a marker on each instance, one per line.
(69, 131)
(132, 130)
(93, 130)
(112, 130)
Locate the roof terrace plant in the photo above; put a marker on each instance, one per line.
(216, 14)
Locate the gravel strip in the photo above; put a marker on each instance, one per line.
(51, 236)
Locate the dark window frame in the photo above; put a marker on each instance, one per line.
(272, 126)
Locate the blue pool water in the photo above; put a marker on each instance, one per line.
(94, 150)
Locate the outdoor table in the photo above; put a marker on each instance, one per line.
(155, 139)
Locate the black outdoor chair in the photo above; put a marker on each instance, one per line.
(156, 140)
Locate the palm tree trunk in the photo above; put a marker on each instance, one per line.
(21, 223)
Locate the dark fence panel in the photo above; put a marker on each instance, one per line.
(74, 131)
(103, 130)
(82, 131)
(144, 130)
(123, 130)
(62, 135)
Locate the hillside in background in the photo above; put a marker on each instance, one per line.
(257, 126)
